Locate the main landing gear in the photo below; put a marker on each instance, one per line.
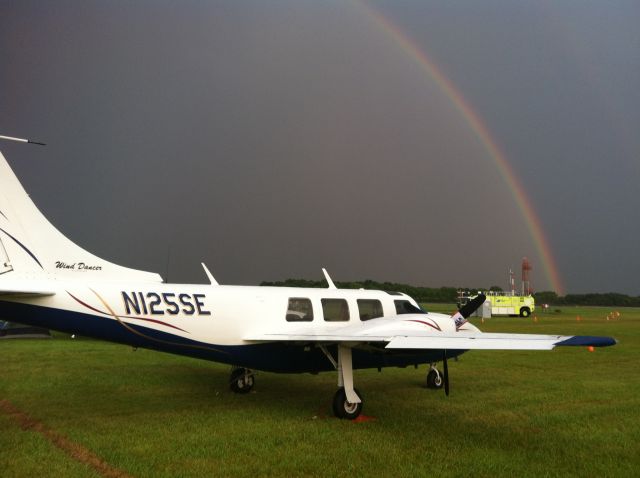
(347, 401)
(241, 380)
(343, 408)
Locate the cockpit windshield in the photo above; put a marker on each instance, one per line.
(406, 307)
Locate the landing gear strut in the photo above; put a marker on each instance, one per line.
(434, 377)
(241, 380)
(347, 402)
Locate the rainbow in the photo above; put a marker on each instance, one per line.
(482, 134)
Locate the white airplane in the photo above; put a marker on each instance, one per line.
(48, 281)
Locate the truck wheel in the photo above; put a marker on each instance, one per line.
(525, 312)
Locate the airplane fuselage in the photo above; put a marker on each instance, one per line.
(213, 322)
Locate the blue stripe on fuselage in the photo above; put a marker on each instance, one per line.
(272, 357)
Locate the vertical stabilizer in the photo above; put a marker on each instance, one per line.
(31, 246)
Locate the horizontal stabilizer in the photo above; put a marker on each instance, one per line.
(24, 288)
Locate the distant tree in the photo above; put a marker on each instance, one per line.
(546, 297)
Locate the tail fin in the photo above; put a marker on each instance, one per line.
(30, 246)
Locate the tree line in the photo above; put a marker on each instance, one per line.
(608, 299)
(450, 294)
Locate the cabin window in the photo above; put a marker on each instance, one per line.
(335, 310)
(299, 310)
(406, 307)
(369, 309)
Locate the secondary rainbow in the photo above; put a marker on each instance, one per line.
(482, 134)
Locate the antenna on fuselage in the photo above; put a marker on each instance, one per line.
(21, 140)
(209, 275)
(329, 281)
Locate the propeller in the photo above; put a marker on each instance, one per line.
(470, 307)
(465, 312)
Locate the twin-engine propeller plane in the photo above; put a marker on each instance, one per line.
(48, 281)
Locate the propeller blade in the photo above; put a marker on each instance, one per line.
(471, 306)
(446, 373)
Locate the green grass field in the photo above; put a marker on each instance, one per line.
(565, 412)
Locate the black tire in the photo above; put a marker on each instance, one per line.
(241, 380)
(525, 312)
(434, 380)
(344, 409)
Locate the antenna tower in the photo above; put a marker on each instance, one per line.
(512, 282)
(526, 284)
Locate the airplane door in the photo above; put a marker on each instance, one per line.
(5, 263)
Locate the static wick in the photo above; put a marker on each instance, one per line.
(21, 140)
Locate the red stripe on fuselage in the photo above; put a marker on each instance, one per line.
(126, 316)
(432, 325)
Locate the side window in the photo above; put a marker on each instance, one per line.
(299, 310)
(369, 309)
(406, 307)
(335, 310)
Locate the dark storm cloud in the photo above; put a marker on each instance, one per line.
(269, 139)
(557, 85)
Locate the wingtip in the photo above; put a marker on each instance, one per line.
(588, 341)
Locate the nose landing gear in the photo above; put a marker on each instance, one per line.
(434, 377)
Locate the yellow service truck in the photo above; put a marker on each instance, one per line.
(501, 303)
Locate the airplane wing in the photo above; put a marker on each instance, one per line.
(482, 341)
(401, 334)
(463, 341)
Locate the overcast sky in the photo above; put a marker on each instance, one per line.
(269, 139)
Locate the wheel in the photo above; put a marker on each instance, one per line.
(241, 380)
(434, 379)
(345, 409)
(525, 312)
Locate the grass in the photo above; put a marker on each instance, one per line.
(561, 413)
